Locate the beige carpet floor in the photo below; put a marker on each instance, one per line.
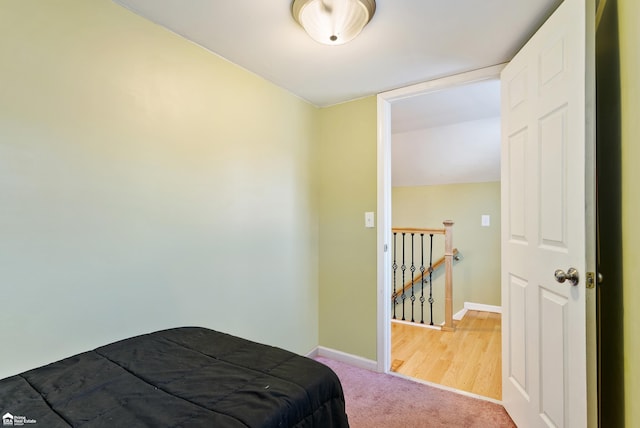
(386, 401)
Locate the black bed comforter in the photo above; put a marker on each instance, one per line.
(183, 377)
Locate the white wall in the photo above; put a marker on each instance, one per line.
(464, 152)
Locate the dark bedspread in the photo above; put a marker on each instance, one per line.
(183, 377)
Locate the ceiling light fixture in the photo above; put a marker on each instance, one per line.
(333, 22)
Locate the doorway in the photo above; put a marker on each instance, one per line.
(390, 103)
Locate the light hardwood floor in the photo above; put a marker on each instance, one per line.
(469, 359)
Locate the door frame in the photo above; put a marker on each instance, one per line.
(385, 102)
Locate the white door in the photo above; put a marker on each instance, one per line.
(544, 153)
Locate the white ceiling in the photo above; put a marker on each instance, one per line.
(462, 103)
(408, 41)
(448, 136)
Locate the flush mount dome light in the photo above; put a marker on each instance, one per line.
(333, 22)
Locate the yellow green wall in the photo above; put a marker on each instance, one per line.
(477, 275)
(146, 183)
(629, 17)
(347, 189)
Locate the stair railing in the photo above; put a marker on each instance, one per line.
(426, 272)
(436, 265)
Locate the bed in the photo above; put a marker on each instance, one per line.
(182, 377)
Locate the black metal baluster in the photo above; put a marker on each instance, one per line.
(395, 269)
(422, 269)
(413, 270)
(403, 268)
(431, 276)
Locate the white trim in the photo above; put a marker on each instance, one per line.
(343, 357)
(384, 235)
(385, 100)
(470, 306)
(460, 314)
(313, 353)
(417, 324)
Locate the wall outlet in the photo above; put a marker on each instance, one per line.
(486, 220)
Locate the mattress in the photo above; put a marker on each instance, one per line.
(182, 377)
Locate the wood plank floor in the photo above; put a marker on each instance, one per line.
(469, 359)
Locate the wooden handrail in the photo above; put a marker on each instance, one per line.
(418, 230)
(412, 281)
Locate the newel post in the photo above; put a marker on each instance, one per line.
(448, 279)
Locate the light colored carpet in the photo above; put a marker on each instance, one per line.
(381, 400)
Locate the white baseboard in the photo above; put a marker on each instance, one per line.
(482, 307)
(469, 306)
(343, 357)
(460, 314)
(417, 324)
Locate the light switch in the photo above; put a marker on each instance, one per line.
(369, 220)
(486, 220)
